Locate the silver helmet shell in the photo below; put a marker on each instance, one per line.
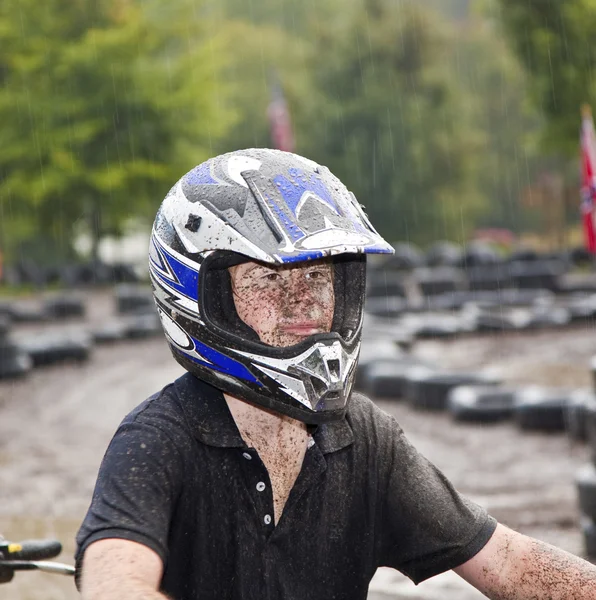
(278, 208)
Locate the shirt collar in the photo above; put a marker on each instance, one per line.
(211, 421)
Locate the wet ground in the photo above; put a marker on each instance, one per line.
(55, 426)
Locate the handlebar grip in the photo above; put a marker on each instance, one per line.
(34, 550)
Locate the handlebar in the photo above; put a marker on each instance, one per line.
(29, 555)
(30, 549)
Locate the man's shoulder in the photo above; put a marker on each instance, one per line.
(362, 409)
(370, 423)
(173, 405)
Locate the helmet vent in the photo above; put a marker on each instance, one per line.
(333, 366)
(193, 223)
(319, 386)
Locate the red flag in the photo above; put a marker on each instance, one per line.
(279, 119)
(588, 190)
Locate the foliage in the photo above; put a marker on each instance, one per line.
(98, 101)
(393, 124)
(556, 41)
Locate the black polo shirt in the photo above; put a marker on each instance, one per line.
(178, 478)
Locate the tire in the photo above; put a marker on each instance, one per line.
(133, 299)
(590, 426)
(540, 274)
(542, 409)
(503, 319)
(109, 332)
(383, 283)
(13, 361)
(481, 404)
(412, 378)
(545, 317)
(575, 416)
(57, 348)
(64, 307)
(589, 532)
(585, 481)
(386, 378)
(440, 280)
(431, 392)
(386, 306)
(443, 254)
(142, 326)
(4, 327)
(372, 351)
(582, 308)
(488, 277)
(28, 313)
(436, 326)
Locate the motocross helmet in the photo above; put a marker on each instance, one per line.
(277, 208)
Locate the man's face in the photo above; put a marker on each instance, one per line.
(284, 304)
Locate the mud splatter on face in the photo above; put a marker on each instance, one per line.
(284, 304)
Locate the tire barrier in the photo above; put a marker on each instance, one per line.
(64, 307)
(387, 377)
(481, 404)
(431, 392)
(55, 348)
(542, 409)
(133, 299)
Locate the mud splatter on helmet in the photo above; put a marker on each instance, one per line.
(278, 208)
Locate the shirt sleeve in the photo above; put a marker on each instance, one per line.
(426, 526)
(136, 490)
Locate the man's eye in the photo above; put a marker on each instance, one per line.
(315, 275)
(271, 276)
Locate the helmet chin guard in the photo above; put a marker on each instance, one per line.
(276, 208)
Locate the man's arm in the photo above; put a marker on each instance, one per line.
(114, 569)
(513, 566)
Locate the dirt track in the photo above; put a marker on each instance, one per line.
(55, 425)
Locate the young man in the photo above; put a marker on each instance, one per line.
(258, 473)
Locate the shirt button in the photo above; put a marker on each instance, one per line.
(267, 519)
(260, 486)
(247, 456)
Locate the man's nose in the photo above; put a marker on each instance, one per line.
(298, 289)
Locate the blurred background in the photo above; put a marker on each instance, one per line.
(464, 128)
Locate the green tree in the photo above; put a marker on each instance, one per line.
(102, 106)
(556, 41)
(391, 122)
(495, 88)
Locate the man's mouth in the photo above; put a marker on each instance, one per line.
(303, 328)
